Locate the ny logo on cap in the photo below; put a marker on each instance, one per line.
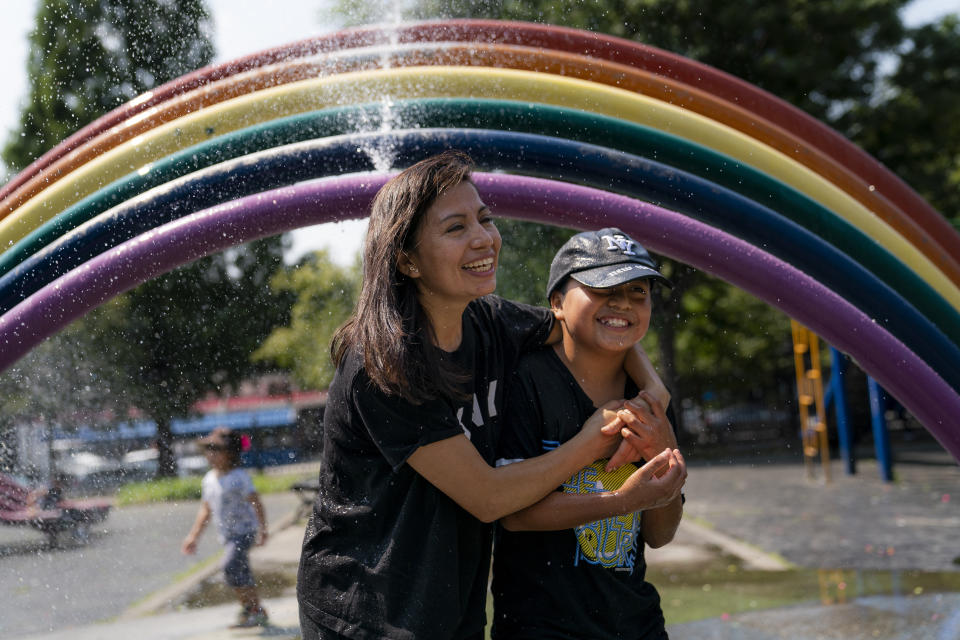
(620, 243)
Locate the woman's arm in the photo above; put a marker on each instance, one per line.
(455, 467)
(642, 491)
(641, 371)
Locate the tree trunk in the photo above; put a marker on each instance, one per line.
(166, 460)
(667, 313)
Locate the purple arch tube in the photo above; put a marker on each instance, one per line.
(881, 355)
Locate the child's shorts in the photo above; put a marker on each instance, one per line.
(236, 561)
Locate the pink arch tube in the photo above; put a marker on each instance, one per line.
(897, 368)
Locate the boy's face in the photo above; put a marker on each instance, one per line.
(611, 319)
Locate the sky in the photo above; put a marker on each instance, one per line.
(242, 27)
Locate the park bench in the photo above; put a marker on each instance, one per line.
(71, 518)
(307, 491)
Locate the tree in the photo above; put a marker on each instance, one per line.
(912, 125)
(193, 330)
(173, 339)
(90, 56)
(708, 335)
(325, 296)
(58, 383)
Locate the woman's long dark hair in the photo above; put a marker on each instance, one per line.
(388, 326)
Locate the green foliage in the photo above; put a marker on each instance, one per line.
(171, 340)
(721, 340)
(65, 380)
(194, 329)
(325, 295)
(528, 249)
(913, 124)
(730, 344)
(831, 58)
(90, 56)
(782, 47)
(159, 490)
(188, 488)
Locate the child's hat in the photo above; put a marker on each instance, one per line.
(222, 438)
(602, 259)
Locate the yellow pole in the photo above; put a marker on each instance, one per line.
(810, 393)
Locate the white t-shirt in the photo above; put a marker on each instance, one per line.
(227, 496)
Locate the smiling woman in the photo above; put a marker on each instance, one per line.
(399, 540)
(454, 259)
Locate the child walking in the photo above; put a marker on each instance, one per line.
(228, 497)
(571, 565)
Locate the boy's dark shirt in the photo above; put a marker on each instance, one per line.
(543, 585)
(386, 554)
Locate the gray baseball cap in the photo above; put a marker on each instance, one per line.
(602, 259)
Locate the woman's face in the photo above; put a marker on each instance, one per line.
(454, 259)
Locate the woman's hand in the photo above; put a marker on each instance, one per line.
(655, 484)
(646, 433)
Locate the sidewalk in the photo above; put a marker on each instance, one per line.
(767, 516)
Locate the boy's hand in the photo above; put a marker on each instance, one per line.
(647, 431)
(189, 546)
(655, 484)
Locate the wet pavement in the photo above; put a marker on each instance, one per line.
(851, 522)
(758, 518)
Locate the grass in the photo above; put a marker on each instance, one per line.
(182, 489)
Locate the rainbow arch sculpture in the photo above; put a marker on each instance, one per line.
(568, 127)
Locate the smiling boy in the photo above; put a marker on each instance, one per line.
(571, 565)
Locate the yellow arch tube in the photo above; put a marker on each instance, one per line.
(476, 82)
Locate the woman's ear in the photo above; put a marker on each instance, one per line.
(406, 266)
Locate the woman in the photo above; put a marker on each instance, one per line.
(398, 544)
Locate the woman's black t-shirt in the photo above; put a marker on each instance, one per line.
(386, 554)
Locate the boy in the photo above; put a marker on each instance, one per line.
(230, 499)
(571, 566)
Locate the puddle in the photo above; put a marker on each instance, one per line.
(270, 584)
(722, 588)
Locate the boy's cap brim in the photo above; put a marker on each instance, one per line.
(615, 275)
(601, 259)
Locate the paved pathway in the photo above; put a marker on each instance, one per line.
(852, 522)
(769, 514)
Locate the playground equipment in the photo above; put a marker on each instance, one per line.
(813, 414)
(595, 131)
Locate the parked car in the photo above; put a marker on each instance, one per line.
(88, 471)
(142, 464)
(748, 422)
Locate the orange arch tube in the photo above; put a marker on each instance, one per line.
(503, 56)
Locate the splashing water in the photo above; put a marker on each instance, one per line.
(382, 152)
